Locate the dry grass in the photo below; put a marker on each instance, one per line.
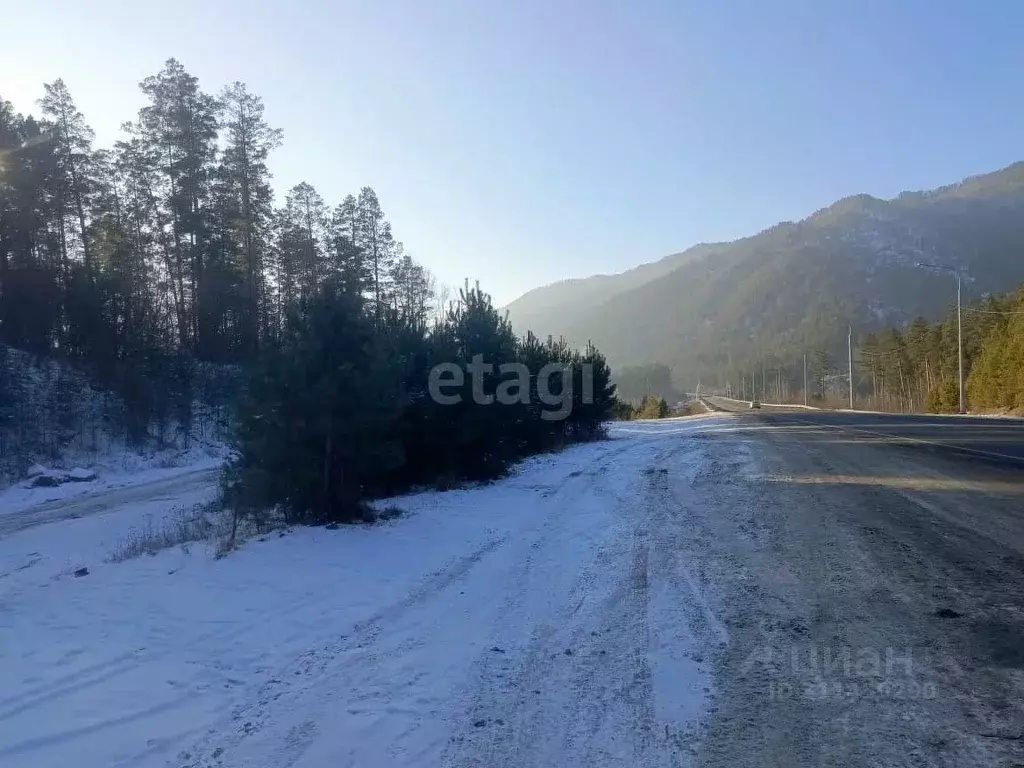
(183, 526)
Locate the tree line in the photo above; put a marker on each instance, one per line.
(342, 409)
(170, 240)
(167, 251)
(910, 368)
(136, 262)
(917, 368)
(638, 382)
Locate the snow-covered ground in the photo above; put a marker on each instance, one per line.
(546, 619)
(120, 469)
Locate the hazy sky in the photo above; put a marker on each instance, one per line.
(526, 141)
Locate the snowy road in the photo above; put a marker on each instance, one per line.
(554, 618)
(573, 638)
(91, 502)
(716, 592)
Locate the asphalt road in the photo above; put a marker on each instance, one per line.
(995, 439)
(870, 573)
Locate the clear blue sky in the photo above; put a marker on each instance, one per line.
(526, 141)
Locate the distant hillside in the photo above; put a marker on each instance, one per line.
(714, 308)
(554, 305)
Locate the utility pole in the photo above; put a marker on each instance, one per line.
(849, 348)
(805, 378)
(764, 379)
(960, 345)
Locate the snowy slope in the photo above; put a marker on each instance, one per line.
(23, 507)
(547, 619)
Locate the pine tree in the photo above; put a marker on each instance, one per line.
(302, 244)
(72, 141)
(821, 367)
(32, 267)
(412, 288)
(247, 197)
(349, 260)
(376, 242)
(178, 130)
(163, 251)
(316, 428)
(594, 392)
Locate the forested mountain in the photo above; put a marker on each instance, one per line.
(571, 300)
(716, 310)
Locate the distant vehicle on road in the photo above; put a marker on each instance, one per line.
(754, 404)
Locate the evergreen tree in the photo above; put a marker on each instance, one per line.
(412, 288)
(247, 202)
(376, 242)
(317, 427)
(652, 407)
(820, 368)
(178, 131)
(74, 184)
(595, 394)
(302, 252)
(32, 268)
(349, 260)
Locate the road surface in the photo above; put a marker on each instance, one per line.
(103, 500)
(990, 438)
(871, 575)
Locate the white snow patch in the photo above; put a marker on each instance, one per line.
(36, 470)
(523, 605)
(128, 470)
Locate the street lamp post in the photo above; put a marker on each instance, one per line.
(849, 352)
(959, 325)
(960, 345)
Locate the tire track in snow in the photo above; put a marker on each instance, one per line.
(438, 581)
(69, 684)
(69, 679)
(125, 664)
(597, 705)
(353, 664)
(575, 680)
(355, 650)
(34, 744)
(345, 663)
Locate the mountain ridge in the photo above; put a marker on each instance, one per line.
(795, 284)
